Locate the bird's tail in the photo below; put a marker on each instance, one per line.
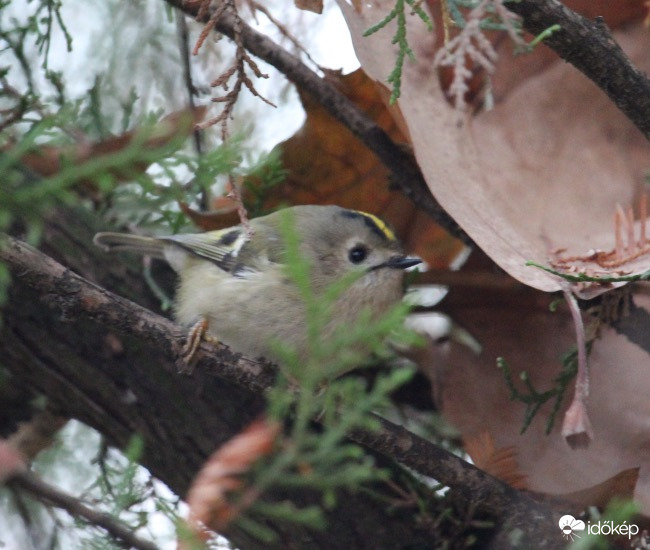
(118, 242)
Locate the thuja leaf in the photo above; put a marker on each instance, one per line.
(584, 278)
(398, 13)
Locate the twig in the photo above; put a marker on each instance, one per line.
(474, 280)
(183, 44)
(210, 22)
(51, 495)
(256, 6)
(15, 113)
(242, 61)
(234, 194)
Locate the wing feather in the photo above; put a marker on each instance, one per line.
(222, 247)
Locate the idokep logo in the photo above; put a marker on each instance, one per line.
(571, 526)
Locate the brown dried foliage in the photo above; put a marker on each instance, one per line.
(238, 68)
(221, 475)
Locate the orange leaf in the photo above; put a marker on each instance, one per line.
(315, 6)
(500, 463)
(12, 461)
(224, 215)
(220, 475)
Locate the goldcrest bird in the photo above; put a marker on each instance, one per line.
(240, 287)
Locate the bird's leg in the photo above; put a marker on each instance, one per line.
(197, 333)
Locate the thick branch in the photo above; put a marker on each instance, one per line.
(405, 171)
(84, 303)
(589, 46)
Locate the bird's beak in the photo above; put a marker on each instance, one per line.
(398, 262)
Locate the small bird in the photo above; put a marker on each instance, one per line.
(234, 281)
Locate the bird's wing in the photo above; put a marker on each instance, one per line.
(222, 247)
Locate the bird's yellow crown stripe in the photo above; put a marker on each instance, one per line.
(380, 224)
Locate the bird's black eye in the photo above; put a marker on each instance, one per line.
(357, 254)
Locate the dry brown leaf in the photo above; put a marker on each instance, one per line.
(543, 170)
(224, 214)
(500, 463)
(12, 461)
(474, 396)
(511, 70)
(36, 434)
(207, 497)
(621, 486)
(315, 6)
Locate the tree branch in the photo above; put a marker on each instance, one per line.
(76, 299)
(76, 508)
(589, 46)
(405, 170)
